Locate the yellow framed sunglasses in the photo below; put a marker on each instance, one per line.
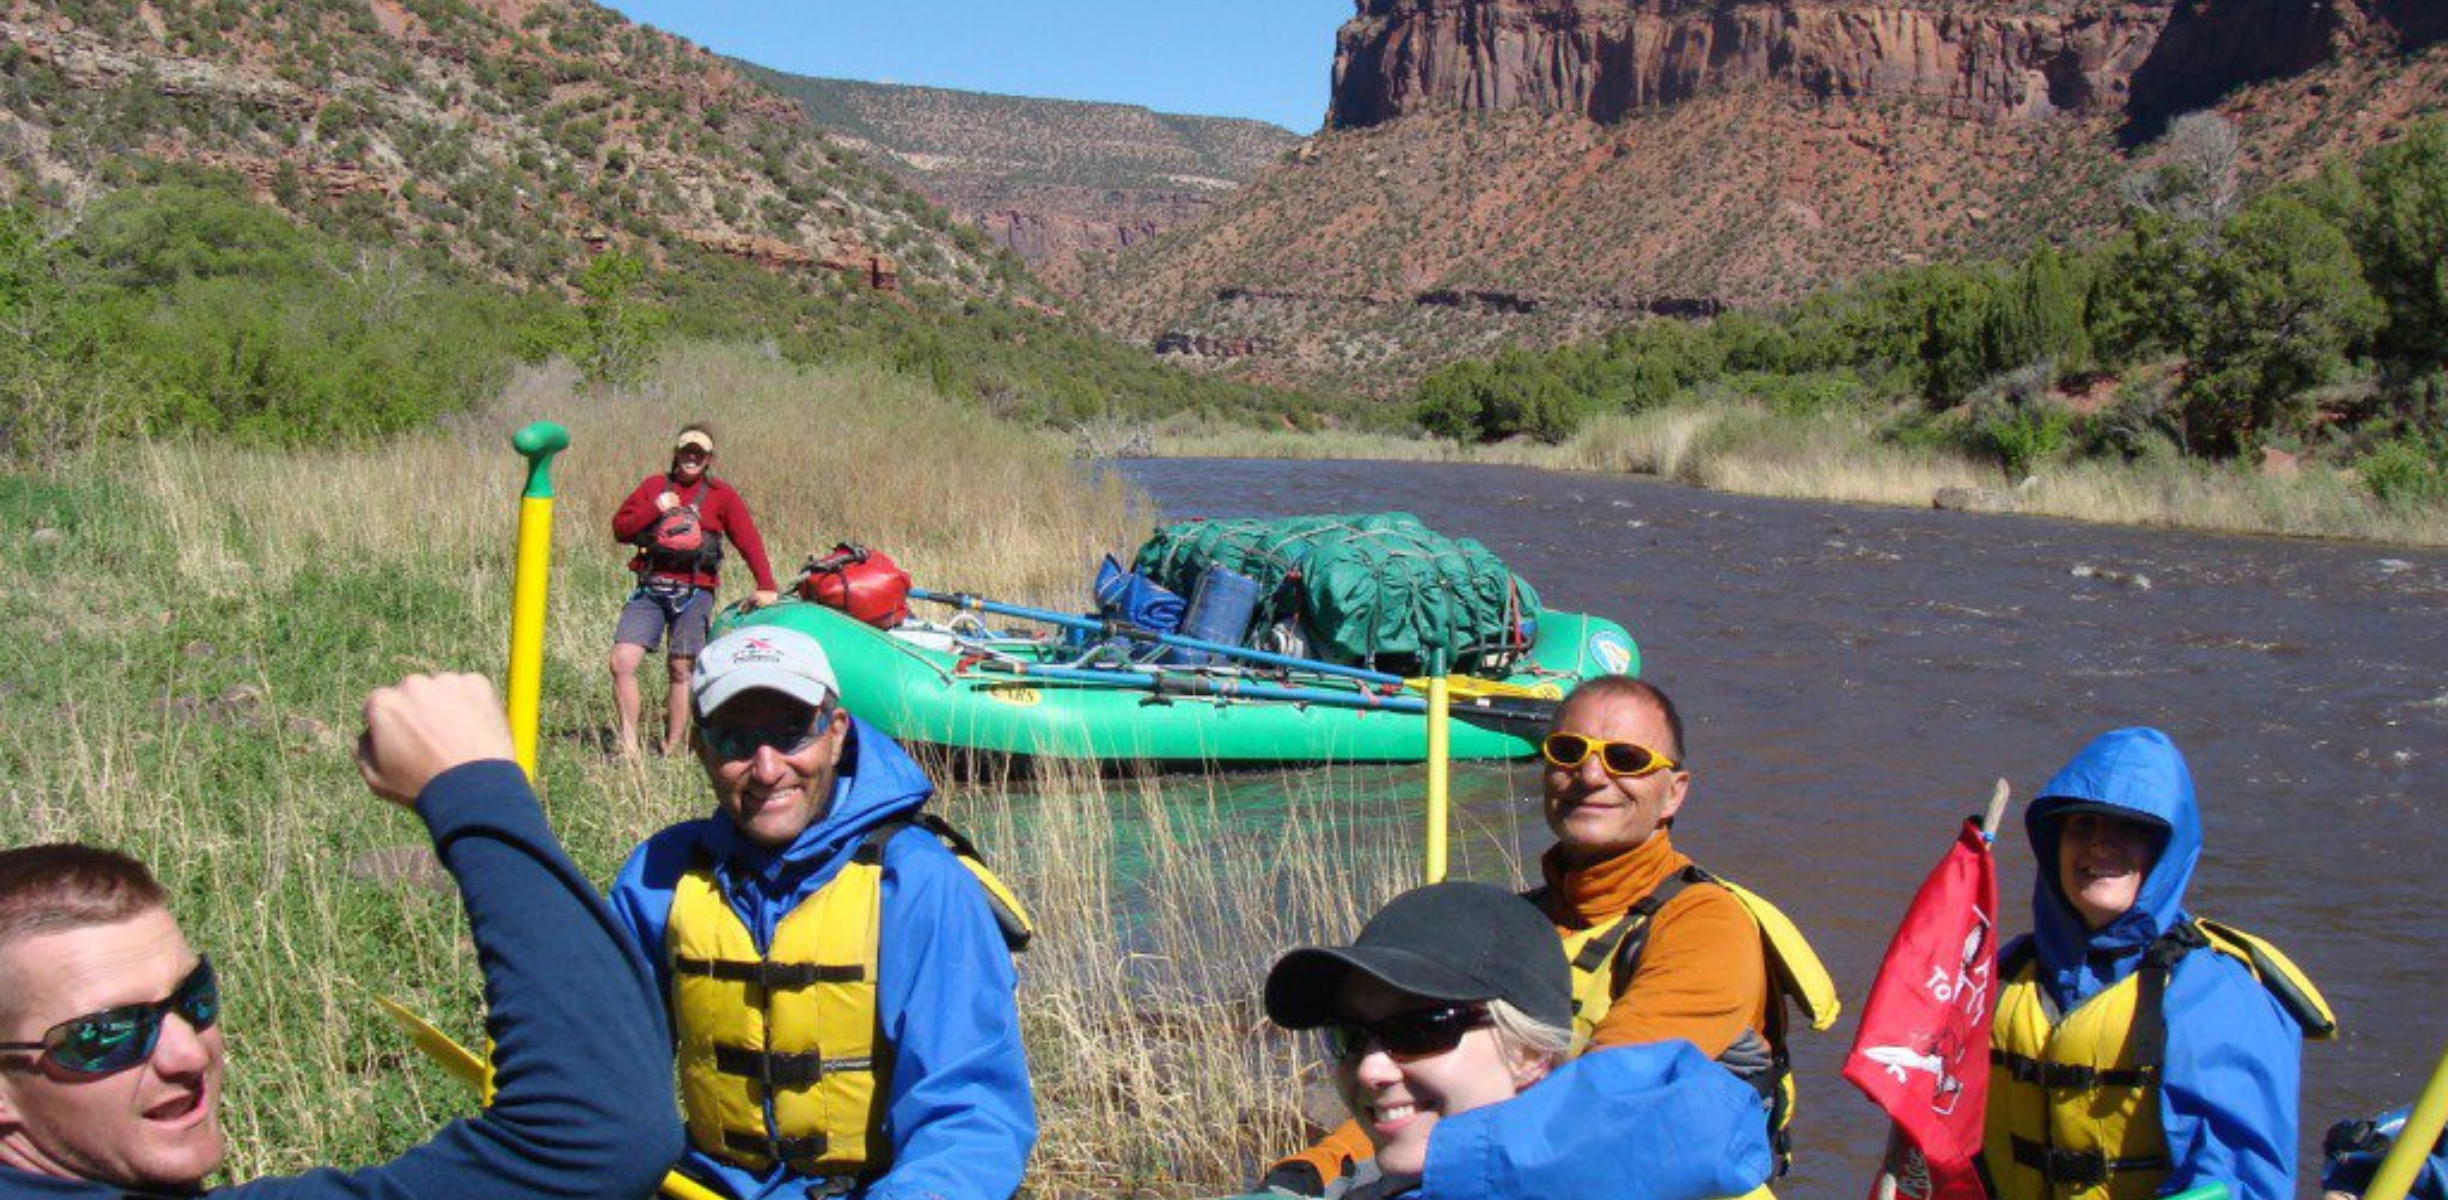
(1624, 760)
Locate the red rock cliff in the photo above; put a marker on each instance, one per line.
(1994, 60)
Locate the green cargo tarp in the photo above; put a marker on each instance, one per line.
(1379, 590)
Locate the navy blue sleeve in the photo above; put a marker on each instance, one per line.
(581, 1054)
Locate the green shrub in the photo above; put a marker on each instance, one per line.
(1800, 394)
(2407, 470)
(2027, 439)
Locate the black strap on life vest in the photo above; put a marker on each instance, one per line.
(778, 1069)
(780, 975)
(2080, 1168)
(871, 847)
(779, 1149)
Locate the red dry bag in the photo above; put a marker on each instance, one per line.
(864, 583)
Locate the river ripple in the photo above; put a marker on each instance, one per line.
(1855, 678)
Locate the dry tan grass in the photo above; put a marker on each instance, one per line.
(1156, 1073)
(1738, 447)
(1226, 441)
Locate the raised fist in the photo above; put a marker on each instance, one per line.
(425, 725)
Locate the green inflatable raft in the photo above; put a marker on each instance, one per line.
(969, 687)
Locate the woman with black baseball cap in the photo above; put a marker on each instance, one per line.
(1441, 1016)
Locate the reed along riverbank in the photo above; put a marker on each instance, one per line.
(198, 623)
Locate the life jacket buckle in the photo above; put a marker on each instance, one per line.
(779, 1149)
(2073, 1168)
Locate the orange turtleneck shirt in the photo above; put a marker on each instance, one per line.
(1702, 977)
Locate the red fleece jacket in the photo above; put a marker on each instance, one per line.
(718, 506)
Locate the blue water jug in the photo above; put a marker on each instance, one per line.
(1220, 610)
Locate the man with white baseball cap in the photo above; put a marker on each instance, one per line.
(841, 993)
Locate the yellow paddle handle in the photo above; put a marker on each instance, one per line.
(526, 684)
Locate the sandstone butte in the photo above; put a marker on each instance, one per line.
(1560, 164)
(2000, 60)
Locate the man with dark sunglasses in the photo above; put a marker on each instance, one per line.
(1660, 949)
(111, 1044)
(839, 984)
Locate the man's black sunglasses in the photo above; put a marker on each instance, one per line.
(789, 734)
(118, 1038)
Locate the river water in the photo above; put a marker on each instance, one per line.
(1855, 679)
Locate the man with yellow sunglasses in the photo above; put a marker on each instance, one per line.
(1660, 949)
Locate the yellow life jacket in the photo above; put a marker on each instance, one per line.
(2074, 1100)
(779, 1054)
(1604, 959)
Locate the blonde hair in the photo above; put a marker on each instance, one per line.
(1525, 1037)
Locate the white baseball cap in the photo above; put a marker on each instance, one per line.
(762, 657)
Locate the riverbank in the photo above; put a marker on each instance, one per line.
(211, 617)
(1840, 456)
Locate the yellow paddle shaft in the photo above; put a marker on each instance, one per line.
(527, 627)
(1440, 772)
(470, 1068)
(2414, 1139)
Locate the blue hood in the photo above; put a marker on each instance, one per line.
(875, 782)
(2139, 772)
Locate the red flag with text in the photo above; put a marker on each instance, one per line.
(1923, 1050)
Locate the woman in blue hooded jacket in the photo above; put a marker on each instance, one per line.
(2138, 1051)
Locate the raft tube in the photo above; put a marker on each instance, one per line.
(914, 684)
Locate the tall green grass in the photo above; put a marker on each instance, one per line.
(196, 624)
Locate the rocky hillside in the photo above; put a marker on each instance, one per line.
(1521, 171)
(1049, 179)
(512, 135)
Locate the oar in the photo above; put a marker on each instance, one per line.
(538, 443)
(461, 1063)
(2415, 1138)
(1463, 685)
(1440, 744)
(1479, 709)
(470, 1068)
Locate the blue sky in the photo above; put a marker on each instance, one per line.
(1268, 59)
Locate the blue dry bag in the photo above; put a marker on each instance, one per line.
(1121, 595)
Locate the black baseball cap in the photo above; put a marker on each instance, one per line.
(1457, 942)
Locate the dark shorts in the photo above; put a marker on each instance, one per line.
(654, 611)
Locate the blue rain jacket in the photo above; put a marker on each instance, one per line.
(1647, 1122)
(2228, 1091)
(959, 1116)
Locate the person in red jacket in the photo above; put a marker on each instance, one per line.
(678, 521)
